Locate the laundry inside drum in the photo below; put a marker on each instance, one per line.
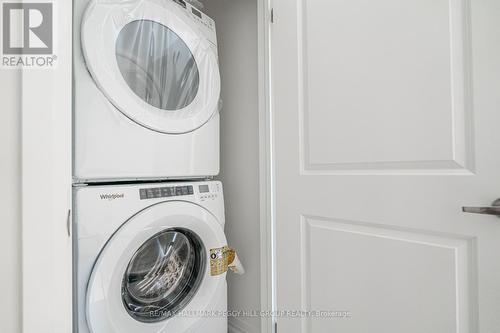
(163, 275)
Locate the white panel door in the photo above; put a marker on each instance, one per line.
(386, 123)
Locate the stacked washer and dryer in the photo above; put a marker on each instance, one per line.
(147, 219)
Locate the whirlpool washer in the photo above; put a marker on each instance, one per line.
(142, 258)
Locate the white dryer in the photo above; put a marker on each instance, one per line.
(142, 258)
(146, 91)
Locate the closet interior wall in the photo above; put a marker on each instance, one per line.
(237, 32)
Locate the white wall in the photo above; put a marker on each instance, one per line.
(10, 200)
(236, 22)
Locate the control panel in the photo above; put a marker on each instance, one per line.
(209, 191)
(204, 191)
(165, 192)
(196, 14)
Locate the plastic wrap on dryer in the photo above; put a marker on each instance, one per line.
(160, 55)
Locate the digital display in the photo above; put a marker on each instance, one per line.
(165, 192)
(195, 12)
(204, 189)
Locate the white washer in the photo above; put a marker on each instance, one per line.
(141, 258)
(147, 89)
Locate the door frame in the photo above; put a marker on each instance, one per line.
(266, 168)
(46, 150)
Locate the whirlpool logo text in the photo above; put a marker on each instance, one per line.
(112, 196)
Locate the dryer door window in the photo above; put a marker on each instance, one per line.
(157, 65)
(163, 275)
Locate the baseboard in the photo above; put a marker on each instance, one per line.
(239, 325)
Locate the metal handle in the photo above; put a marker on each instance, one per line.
(494, 209)
(68, 223)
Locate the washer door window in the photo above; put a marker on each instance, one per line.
(163, 275)
(152, 63)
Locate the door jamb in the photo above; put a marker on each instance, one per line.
(46, 150)
(266, 172)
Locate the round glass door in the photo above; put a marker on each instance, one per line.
(152, 63)
(163, 275)
(157, 65)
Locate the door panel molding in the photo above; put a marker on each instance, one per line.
(453, 150)
(378, 238)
